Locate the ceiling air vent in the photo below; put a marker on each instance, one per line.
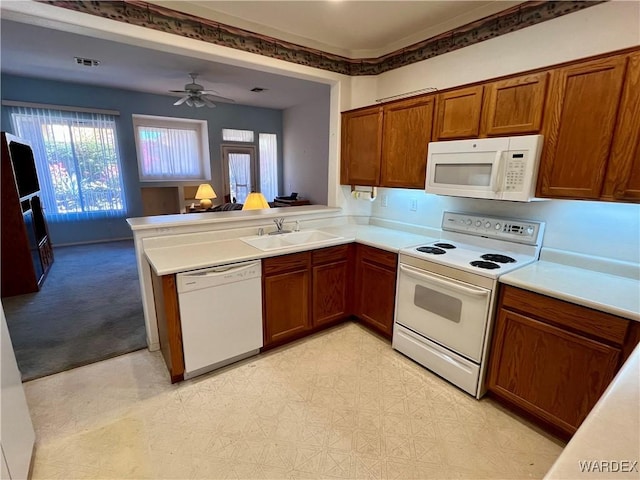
(258, 89)
(87, 62)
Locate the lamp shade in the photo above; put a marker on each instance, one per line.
(255, 201)
(205, 193)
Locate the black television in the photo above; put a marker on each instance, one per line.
(24, 166)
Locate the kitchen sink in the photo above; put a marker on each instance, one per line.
(290, 240)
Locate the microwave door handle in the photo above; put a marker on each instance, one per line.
(496, 173)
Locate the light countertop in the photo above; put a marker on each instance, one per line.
(618, 295)
(182, 258)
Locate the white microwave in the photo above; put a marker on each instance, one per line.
(504, 168)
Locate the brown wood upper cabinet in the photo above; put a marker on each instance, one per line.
(458, 113)
(514, 106)
(623, 173)
(387, 146)
(361, 147)
(580, 118)
(406, 134)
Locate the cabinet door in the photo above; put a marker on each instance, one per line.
(406, 134)
(375, 288)
(581, 113)
(514, 106)
(458, 113)
(286, 305)
(551, 373)
(361, 146)
(623, 173)
(330, 283)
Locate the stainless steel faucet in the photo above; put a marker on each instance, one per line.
(279, 224)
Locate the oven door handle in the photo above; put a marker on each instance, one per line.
(417, 274)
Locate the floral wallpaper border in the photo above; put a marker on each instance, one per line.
(171, 21)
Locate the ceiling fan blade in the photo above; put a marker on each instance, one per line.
(182, 100)
(178, 91)
(208, 102)
(222, 99)
(209, 92)
(189, 101)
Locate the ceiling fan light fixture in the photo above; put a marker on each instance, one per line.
(196, 96)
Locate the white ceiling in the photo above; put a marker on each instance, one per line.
(349, 27)
(353, 29)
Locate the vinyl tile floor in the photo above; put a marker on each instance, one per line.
(339, 404)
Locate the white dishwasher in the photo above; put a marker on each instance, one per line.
(220, 314)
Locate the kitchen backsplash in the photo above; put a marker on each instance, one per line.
(602, 229)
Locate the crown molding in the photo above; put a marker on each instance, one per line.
(171, 21)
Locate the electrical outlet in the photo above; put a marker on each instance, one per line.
(385, 200)
(413, 205)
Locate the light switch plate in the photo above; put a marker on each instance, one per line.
(413, 205)
(384, 199)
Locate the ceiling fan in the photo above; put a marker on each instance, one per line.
(196, 96)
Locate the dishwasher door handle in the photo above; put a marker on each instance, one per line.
(211, 277)
(215, 271)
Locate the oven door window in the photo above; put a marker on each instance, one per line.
(438, 303)
(449, 312)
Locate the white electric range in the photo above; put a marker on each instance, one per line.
(446, 293)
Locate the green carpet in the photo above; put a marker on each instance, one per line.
(89, 309)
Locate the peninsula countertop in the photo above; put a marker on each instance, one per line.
(182, 258)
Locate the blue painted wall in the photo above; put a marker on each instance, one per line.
(128, 102)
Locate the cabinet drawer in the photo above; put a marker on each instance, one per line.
(286, 263)
(330, 254)
(569, 315)
(380, 257)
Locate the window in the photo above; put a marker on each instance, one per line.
(240, 172)
(171, 149)
(268, 148)
(76, 159)
(231, 135)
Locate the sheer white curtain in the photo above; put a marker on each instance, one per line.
(268, 148)
(77, 161)
(239, 176)
(169, 153)
(233, 135)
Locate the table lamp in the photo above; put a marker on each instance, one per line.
(205, 193)
(255, 201)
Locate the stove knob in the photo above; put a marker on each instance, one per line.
(487, 225)
(468, 222)
(478, 223)
(498, 226)
(529, 230)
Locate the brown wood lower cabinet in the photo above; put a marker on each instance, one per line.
(304, 292)
(375, 288)
(331, 278)
(552, 360)
(286, 296)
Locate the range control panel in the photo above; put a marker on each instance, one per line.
(514, 230)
